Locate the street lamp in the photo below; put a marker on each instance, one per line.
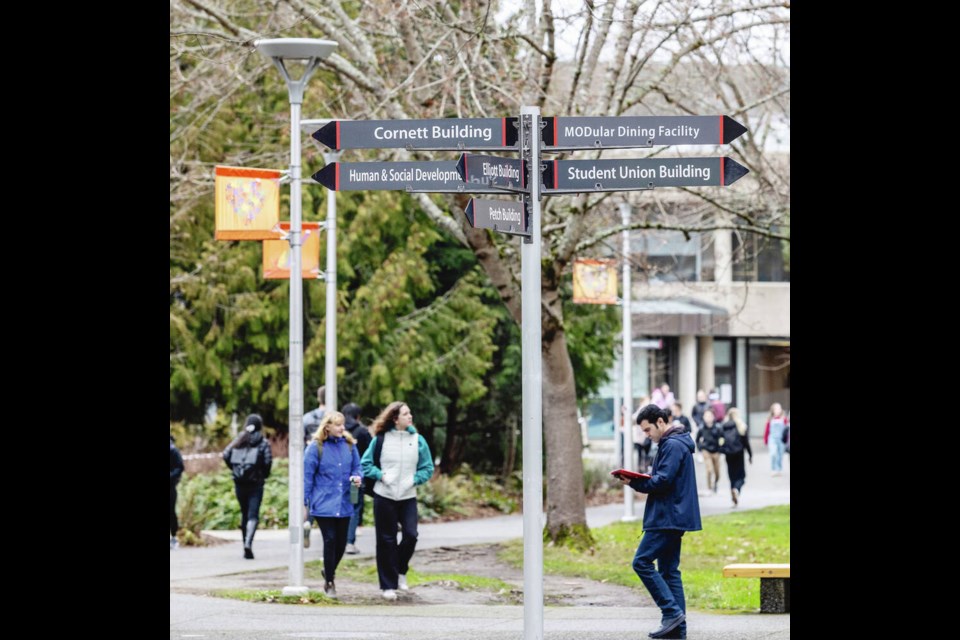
(312, 51)
(330, 275)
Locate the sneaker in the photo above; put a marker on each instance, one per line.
(306, 534)
(736, 496)
(402, 582)
(174, 544)
(330, 590)
(389, 594)
(352, 549)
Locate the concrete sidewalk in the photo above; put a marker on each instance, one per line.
(201, 617)
(208, 617)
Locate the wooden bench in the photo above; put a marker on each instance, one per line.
(774, 584)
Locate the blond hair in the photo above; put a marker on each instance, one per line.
(734, 414)
(334, 418)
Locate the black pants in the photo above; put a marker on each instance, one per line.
(393, 559)
(249, 496)
(174, 525)
(334, 532)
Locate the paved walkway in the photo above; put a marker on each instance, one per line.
(209, 617)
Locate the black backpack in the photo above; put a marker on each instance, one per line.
(368, 483)
(243, 462)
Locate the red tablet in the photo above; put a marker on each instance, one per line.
(628, 474)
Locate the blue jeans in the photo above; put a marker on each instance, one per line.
(663, 583)
(355, 520)
(776, 454)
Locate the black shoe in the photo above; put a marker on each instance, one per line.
(667, 626)
(676, 634)
(248, 553)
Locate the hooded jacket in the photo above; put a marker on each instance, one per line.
(671, 490)
(326, 486)
(405, 462)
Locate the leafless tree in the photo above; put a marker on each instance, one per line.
(485, 58)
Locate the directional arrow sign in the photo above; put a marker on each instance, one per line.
(500, 215)
(430, 177)
(450, 134)
(577, 176)
(623, 132)
(506, 173)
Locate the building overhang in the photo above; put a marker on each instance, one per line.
(678, 317)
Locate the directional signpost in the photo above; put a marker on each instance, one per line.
(431, 177)
(627, 132)
(531, 179)
(579, 176)
(450, 134)
(506, 173)
(507, 216)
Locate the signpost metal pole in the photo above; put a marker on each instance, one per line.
(330, 275)
(330, 279)
(628, 513)
(532, 389)
(311, 51)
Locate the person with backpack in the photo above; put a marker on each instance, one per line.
(250, 459)
(732, 444)
(331, 473)
(398, 459)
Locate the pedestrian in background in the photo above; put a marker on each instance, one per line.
(249, 459)
(708, 441)
(351, 413)
(775, 436)
(404, 462)
(734, 441)
(176, 470)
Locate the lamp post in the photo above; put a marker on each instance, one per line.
(628, 513)
(311, 51)
(330, 275)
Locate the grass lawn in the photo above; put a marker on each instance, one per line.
(366, 571)
(758, 535)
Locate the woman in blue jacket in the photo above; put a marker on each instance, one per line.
(331, 465)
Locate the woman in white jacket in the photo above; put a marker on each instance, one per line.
(399, 464)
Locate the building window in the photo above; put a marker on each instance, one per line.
(768, 378)
(760, 259)
(667, 256)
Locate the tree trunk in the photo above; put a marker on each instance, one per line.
(511, 448)
(566, 508)
(452, 447)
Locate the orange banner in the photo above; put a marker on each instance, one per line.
(247, 203)
(594, 281)
(276, 255)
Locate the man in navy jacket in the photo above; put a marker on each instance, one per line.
(671, 509)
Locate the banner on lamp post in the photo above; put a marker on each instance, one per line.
(594, 281)
(247, 203)
(276, 254)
